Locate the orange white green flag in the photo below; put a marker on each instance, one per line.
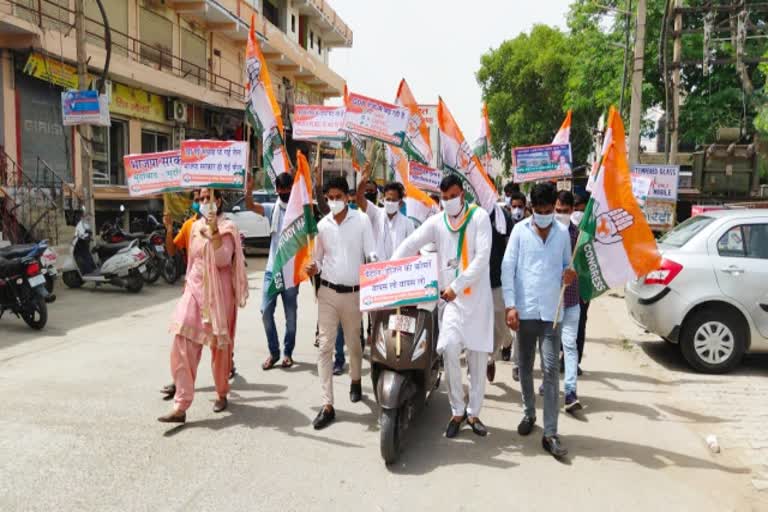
(615, 244)
(294, 247)
(563, 135)
(416, 142)
(263, 111)
(354, 144)
(483, 144)
(418, 205)
(458, 159)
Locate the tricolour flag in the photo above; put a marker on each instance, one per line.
(563, 135)
(263, 111)
(416, 142)
(459, 159)
(615, 245)
(294, 247)
(483, 144)
(418, 204)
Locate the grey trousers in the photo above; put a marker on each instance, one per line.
(531, 332)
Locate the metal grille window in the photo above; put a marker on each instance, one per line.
(156, 39)
(109, 147)
(195, 59)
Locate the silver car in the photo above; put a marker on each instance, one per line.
(710, 294)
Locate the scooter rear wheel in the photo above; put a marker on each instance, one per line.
(134, 283)
(389, 426)
(72, 279)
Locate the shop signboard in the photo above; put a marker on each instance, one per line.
(137, 104)
(53, 71)
(213, 163)
(661, 203)
(153, 173)
(396, 283)
(535, 163)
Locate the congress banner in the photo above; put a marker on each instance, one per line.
(534, 163)
(376, 119)
(318, 123)
(213, 163)
(153, 173)
(396, 283)
(423, 177)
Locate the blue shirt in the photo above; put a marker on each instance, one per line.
(275, 237)
(532, 270)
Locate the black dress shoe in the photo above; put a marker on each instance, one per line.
(552, 445)
(478, 427)
(491, 371)
(355, 392)
(526, 426)
(506, 353)
(516, 374)
(453, 428)
(324, 418)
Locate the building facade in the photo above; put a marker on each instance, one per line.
(176, 72)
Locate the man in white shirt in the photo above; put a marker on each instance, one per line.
(390, 226)
(462, 235)
(344, 242)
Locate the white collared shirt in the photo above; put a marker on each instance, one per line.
(388, 233)
(340, 249)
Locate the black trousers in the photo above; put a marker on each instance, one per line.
(580, 337)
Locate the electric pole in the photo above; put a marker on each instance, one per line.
(677, 50)
(636, 108)
(84, 130)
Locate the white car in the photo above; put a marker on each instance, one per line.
(254, 227)
(710, 294)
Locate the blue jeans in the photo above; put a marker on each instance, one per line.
(339, 357)
(568, 335)
(268, 305)
(531, 332)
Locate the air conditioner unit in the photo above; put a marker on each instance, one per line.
(179, 112)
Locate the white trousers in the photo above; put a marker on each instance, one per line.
(476, 368)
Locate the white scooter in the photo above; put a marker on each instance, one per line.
(122, 264)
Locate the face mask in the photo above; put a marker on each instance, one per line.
(196, 207)
(284, 197)
(336, 206)
(352, 206)
(204, 210)
(517, 213)
(372, 196)
(507, 200)
(453, 206)
(543, 221)
(563, 218)
(391, 207)
(576, 217)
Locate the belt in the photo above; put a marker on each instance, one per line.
(339, 288)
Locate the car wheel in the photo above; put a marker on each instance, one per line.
(714, 341)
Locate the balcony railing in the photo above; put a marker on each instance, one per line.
(48, 14)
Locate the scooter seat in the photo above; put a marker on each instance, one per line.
(108, 250)
(11, 267)
(17, 251)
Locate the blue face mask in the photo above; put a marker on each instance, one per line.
(352, 206)
(196, 207)
(403, 209)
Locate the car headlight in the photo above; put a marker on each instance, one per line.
(381, 343)
(421, 346)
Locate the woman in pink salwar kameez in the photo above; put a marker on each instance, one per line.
(216, 286)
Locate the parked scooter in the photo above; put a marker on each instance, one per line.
(122, 264)
(405, 369)
(22, 290)
(44, 254)
(113, 233)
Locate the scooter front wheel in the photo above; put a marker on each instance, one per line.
(389, 426)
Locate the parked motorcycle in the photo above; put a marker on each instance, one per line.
(113, 233)
(122, 264)
(405, 369)
(22, 290)
(44, 254)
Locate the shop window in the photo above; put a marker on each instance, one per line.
(311, 39)
(156, 39)
(195, 59)
(319, 46)
(152, 142)
(109, 146)
(118, 23)
(293, 23)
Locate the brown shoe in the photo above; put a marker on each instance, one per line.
(220, 405)
(174, 417)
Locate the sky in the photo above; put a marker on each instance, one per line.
(434, 44)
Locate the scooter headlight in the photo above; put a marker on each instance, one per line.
(381, 341)
(421, 346)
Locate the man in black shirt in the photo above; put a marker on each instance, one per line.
(501, 228)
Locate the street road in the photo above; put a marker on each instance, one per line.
(78, 429)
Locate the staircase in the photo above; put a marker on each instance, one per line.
(36, 205)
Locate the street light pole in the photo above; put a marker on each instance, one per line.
(636, 108)
(84, 130)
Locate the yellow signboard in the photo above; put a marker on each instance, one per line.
(52, 70)
(136, 103)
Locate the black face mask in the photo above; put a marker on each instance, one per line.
(371, 196)
(284, 197)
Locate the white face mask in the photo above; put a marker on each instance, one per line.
(205, 209)
(336, 206)
(453, 206)
(576, 217)
(563, 218)
(507, 200)
(517, 213)
(391, 207)
(543, 221)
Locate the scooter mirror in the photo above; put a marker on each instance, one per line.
(122, 208)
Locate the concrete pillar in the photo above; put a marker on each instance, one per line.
(8, 97)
